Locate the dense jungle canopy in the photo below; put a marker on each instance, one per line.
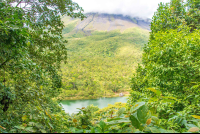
(165, 88)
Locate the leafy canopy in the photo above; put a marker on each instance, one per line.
(170, 61)
(31, 51)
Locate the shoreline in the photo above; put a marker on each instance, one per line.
(126, 94)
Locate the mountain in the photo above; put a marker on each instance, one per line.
(104, 22)
(103, 51)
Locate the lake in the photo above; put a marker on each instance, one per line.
(70, 106)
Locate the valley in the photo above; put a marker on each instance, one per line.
(100, 64)
(63, 75)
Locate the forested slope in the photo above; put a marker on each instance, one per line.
(102, 63)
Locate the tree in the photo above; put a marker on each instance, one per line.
(193, 14)
(170, 61)
(31, 51)
(168, 16)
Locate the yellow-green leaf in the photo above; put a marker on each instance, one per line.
(74, 120)
(159, 93)
(48, 114)
(24, 118)
(196, 116)
(28, 44)
(84, 126)
(152, 89)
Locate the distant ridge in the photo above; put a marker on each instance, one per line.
(144, 23)
(104, 22)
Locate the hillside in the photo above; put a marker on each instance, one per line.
(102, 54)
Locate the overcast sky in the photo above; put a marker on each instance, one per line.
(139, 8)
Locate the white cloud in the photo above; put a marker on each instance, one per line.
(140, 8)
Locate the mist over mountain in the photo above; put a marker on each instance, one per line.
(104, 22)
(119, 20)
(134, 8)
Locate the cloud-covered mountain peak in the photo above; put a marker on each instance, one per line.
(105, 22)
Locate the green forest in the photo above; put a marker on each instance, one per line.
(102, 63)
(42, 62)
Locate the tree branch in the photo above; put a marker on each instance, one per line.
(25, 5)
(9, 58)
(19, 3)
(4, 62)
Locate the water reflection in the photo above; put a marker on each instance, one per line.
(70, 106)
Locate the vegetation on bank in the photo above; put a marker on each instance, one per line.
(165, 87)
(91, 97)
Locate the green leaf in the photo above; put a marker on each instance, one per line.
(92, 130)
(147, 129)
(38, 125)
(165, 97)
(137, 106)
(190, 126)
(119, 121)
(164, 131)
(143, 114)
(168, 101)
(154, 130)
(113, 119)
(43, 131)
(121, 111)
(102, 125)
(20, 127)
(157, 92)
(50, 125)
(80, 131)
(32, 123)
(13, 130)
(134, 120)
(155, 119)
(153, 99)
(99, 130)
(30, 129)
(123, 120)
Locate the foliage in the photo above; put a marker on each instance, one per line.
(170, 60)
(137, 118)
(31, 50)
(91, 57)
(169, 76)
(165, 96)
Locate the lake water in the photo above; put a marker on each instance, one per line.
(70, 106)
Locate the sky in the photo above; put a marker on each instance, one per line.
(134, 8)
